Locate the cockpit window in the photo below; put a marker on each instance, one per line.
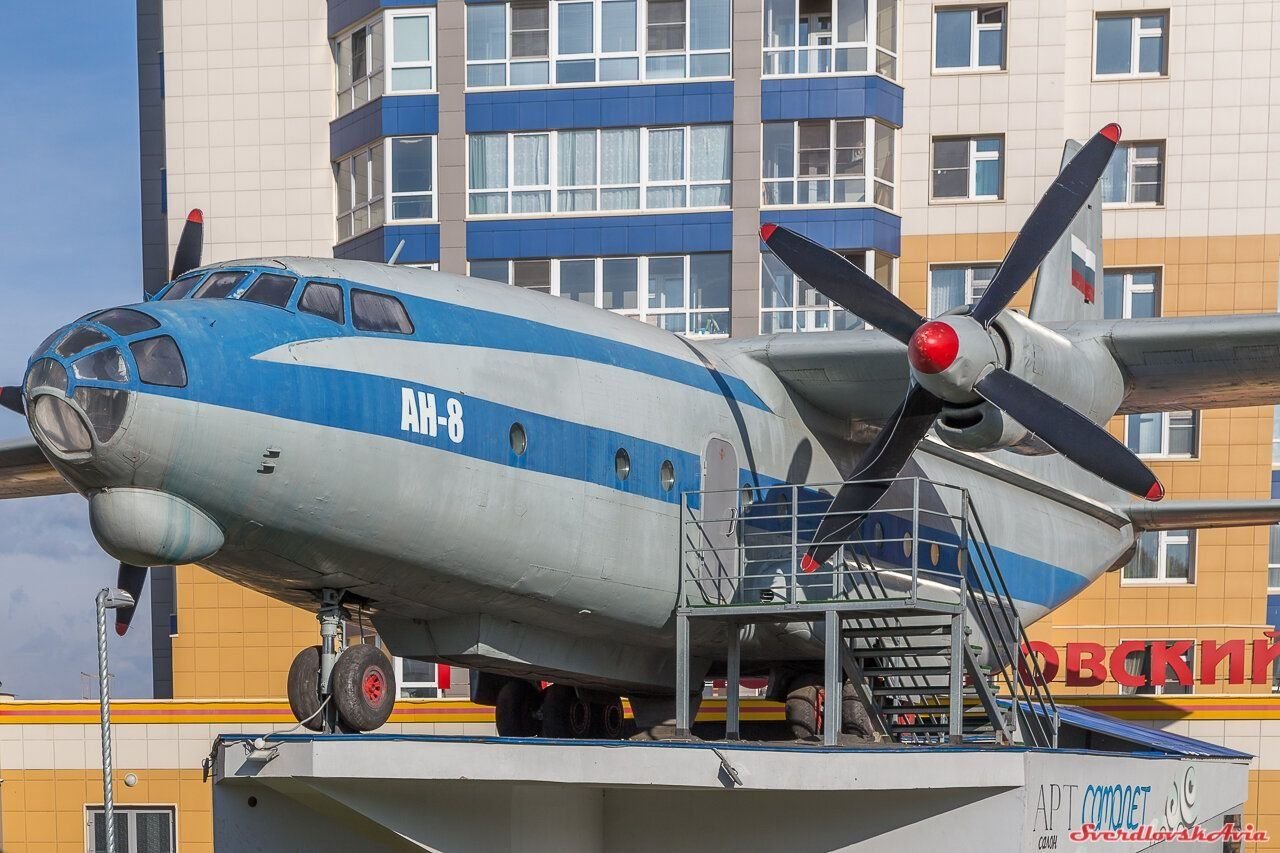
(219, 284)
(159, 362)
(376, 312)
(182, 287)
(79, 340)
(270, 289)
(323, 300)
(106, 364)
(46, 373)
(123, 321)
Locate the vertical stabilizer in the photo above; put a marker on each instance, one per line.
(1069, 281)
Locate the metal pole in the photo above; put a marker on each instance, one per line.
(104, 713)
(682, 676)
(834, 695)
(955, 699)
(732, 728)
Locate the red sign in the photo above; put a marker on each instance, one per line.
(1090, 664)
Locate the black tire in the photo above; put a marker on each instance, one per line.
(608, 719)
(564, 714)
(364, 688)
(802, 706)
(516, 708)
(855, 719)
(303, 687)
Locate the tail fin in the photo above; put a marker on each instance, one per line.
(1069, 282)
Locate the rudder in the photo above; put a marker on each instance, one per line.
(1069, 282)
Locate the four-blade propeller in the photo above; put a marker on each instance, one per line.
(954, 359)
(186, 257)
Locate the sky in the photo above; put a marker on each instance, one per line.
(69, 243)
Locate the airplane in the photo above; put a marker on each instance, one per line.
(493, 477)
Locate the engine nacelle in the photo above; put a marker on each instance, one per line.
(1080, 373)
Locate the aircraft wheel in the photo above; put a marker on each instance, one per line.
(608, 719)
(564, 713)
(364, 688)
(803, 706)
(516, 709)
(303, 687)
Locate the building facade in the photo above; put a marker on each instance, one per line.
(624, 153)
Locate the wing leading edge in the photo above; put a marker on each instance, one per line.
(26, 473)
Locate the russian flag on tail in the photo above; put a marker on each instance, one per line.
(1084, 268)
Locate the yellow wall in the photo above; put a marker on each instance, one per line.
(233, 642)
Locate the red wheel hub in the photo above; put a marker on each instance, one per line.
(933, 347)
(374, 685)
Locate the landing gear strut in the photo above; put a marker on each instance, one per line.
(335, 689)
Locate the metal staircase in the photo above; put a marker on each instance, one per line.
(912, 612)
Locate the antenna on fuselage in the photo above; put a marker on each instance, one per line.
(396, 253)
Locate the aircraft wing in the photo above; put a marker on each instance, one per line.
(1212, 362)
(26, 473)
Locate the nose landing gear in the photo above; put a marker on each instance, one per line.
(335, 689)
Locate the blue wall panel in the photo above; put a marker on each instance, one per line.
(831, 97)
(421, 245)
(600, 106)
(390, 115)
(344, 13)
(592, 236)
(843, 228)
(1273, 611)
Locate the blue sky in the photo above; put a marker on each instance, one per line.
(69, 243)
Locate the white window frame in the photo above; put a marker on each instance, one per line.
(975, 157)
(642, 311)
(1163, 452)
(819, 59)
(392, 64)
(1132, 162)
(387, 155)
(374, 205)
(90, 810)
(553, 176)
(372, 84)
(970, 295)
(1275, 437)
(1159, 689)
(397, 664)
(1165, 539)
(640, 53)
(817, 315)
(1130, 288)
(975, 30)
(1136, 34)
(868, 172)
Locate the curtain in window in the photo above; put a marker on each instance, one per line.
(1146, 560)
(530, 160)
(666, 163)
(946, 290)
(1115, 184)
(486, 31)
(577, 168)
(620, 164)
(487, 169)
(710, 153)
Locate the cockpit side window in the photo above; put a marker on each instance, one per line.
(124, 321)
(270, 289)
(220, 284)
(323, 300)
(159, 362)
(377, 312)
(182, 287)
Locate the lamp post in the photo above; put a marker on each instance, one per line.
(108, 599)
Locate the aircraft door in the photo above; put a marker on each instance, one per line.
(720, 522)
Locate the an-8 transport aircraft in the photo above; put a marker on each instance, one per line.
(493, 477)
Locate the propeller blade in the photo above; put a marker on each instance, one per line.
(884, 459)
(187, 256)
(11, 398)
(832, 275)
(1070, 433)
(131, 579)
(1047, 223)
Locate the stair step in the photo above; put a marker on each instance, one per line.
(904, 651)
(904, 671)
(922, 690)
(898, 631)
(907, 728)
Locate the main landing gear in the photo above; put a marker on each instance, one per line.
(524, 709)
(335, 689)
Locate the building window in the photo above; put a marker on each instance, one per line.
(1135, 174)
(411, 51)
(789, 304)
(139, 829)
(360, 180)
(1130, 45)
(968, 167)
(1275, 437)
(416, 679)
(1138, 662)
(614, 169)
(1163, 434)
(1163, 556)
(538, 42)
(1130, 293)
(359, 58)
(955, 285)
(412, 178)
(969, 39)
(830, 36)
(824, 162)
(1273, 559)
(688, 294)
